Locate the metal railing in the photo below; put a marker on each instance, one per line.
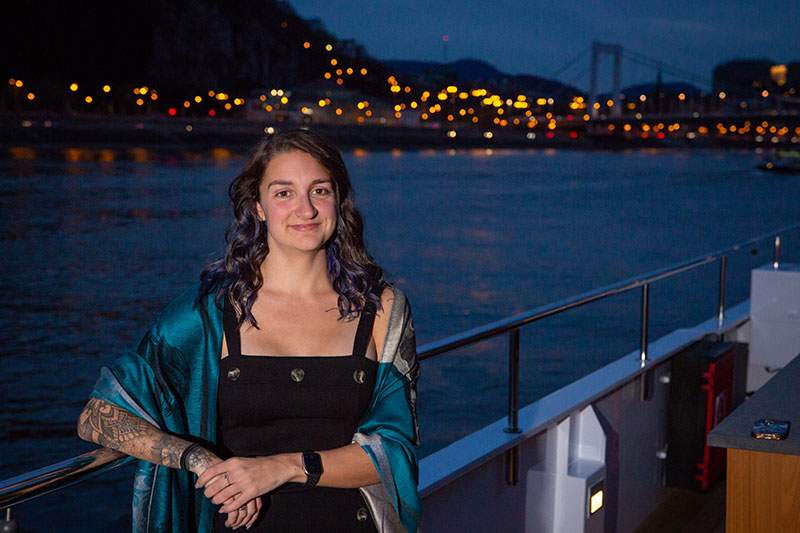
(54, 477)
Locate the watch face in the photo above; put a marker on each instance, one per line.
(312, 463)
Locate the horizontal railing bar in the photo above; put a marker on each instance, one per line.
(498, 327)
(59, 475)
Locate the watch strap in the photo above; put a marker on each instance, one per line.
(312, 466)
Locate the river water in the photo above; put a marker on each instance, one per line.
(96, 241)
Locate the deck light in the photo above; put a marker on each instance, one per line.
(596, 498)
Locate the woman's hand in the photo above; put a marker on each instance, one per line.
(244, 515)
(200, 460)
(241, 479)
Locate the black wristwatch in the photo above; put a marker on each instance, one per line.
(312, 466)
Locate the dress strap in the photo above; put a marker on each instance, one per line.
(364, 331)
(231, 326)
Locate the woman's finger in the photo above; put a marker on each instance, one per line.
(230, 521)
(210, 473)
(239, 500)
(253, 516)
(231, 491)
(216, 484)
(239, 516)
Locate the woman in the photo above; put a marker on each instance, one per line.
(286, 383)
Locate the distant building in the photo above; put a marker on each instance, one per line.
(754, 78)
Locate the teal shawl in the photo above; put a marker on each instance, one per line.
(170, 380)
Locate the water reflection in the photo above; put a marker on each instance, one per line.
(22, 153)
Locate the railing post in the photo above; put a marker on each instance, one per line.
(646, 379)
(776, 252)
(645, 315)
(9, 525)
(723, 272)
(513, 381)
(512, 455)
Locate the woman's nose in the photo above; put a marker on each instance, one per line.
(306, 209)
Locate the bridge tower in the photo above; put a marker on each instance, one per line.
(598, 50)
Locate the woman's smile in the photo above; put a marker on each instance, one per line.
(305, 227)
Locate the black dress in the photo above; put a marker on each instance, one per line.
(279, 404)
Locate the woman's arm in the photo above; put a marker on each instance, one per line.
(250, 477)
(110, 426)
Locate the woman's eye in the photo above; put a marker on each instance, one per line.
(322, 191)
(282, 194)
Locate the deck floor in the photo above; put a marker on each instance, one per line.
(685, 511)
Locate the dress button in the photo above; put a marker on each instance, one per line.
(362, 514)
(359, 376)
(298, 374)
(233, 374)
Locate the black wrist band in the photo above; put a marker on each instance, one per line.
(189, 449)
(312, 466)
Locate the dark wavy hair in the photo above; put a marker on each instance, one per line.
(355, 276)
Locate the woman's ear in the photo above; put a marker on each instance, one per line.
(262, 216)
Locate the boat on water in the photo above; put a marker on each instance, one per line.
(620, 449)
(782, 161)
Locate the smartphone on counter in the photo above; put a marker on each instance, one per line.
(769, 429)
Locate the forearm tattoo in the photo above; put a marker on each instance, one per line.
(198, 460)
(116, 428)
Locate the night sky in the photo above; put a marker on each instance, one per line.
(540, 38)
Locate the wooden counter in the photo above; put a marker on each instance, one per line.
(763, 479)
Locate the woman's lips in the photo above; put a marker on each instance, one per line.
(304, 227)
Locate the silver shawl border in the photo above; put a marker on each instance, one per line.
(383, 512)
(400, 349)
(399, 335)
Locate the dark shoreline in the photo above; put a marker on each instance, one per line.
(41, 130)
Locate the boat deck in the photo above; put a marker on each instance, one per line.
(686, 511)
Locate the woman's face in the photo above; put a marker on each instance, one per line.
(297, 199)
